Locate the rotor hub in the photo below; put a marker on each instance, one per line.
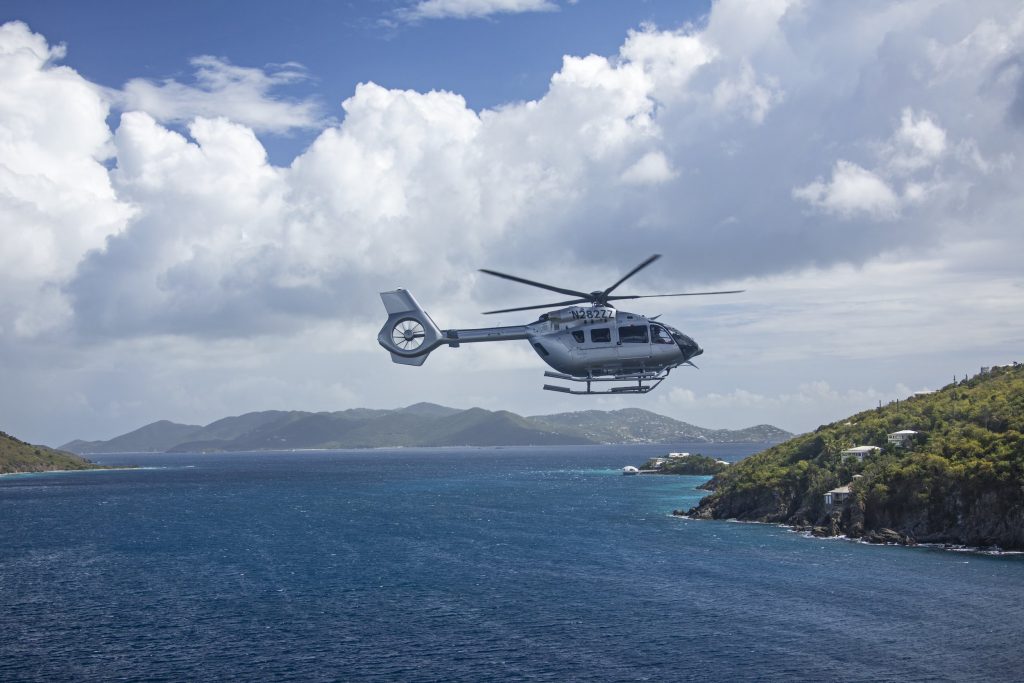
(408, 334)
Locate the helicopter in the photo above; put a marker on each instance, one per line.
(584, 344)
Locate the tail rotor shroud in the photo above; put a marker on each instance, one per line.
(409, 334)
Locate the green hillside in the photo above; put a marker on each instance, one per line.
(961, 480)
(18, 456)
(155, 437)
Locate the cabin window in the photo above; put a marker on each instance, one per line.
(578, 336)
(600, 335)
(659, 335)
(633, 334)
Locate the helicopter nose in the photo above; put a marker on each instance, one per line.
(689, 348)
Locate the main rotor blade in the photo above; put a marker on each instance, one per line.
(633, 272)
(530, 308)
(570, 292)
(654, 296)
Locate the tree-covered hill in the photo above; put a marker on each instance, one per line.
(18, 456)
(422, 424)
(960, 481)
(695, 464)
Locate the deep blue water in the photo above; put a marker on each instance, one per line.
(465, 564)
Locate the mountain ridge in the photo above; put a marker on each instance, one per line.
(420, 424)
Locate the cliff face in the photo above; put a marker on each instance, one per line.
(960, 481)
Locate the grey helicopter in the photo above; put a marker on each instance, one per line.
(585, 344)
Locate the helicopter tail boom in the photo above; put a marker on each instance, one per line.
(410, 334)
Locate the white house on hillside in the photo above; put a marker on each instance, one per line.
(859, 452)
(837, 496)
(902, 438)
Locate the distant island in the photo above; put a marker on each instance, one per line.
(940, 467)
(422, 424)
(16, 456)
(683, 463)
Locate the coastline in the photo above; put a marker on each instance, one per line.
(85, 469)
(991, 551)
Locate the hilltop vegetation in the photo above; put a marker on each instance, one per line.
(695, 464)
(18, 456)
(961, 480)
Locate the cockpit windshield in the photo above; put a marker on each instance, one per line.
(680, 338)
(660, 335)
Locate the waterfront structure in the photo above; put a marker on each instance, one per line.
(837, 496)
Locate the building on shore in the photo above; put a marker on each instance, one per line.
(837, 496)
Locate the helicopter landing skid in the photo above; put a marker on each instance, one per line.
(646, 381)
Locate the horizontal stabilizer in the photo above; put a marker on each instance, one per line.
(408, 360)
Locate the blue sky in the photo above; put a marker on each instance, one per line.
(199, 203)
(490, 61)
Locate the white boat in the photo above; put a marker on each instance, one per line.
(629, 469)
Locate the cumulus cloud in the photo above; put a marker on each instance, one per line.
(851, 190)
(223, 243)
(651, 169)
(909, 171)
(917, 144)
(670, 58)
(472, 9)
(56, 199)
(243, 94)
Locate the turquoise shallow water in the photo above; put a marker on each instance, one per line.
(465, 564)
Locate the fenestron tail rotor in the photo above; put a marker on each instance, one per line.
(408, 334)
(597, 298)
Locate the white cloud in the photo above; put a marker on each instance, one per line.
(917, 144)
(56, 201)
(651, 169)
(746, 95)
(670, 58)
(242, 94)
(472, 9)
(850, 191)
(914, 158)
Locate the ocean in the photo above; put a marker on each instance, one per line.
(539, 564)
